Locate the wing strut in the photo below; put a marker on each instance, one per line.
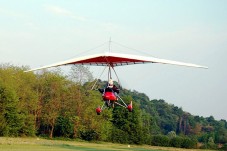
(109, 73)
(98, 78)
(117, 77)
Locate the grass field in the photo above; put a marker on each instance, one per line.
(39, 144)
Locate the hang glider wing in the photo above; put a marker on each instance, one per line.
(116, 59)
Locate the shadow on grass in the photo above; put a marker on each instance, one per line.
(73, 147)
(83, 148)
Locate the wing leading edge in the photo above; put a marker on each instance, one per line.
(116, 59)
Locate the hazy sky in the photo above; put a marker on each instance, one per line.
(41, 32)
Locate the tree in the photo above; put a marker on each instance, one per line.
(221, 135)
(80, 74)
(129, 122)
(11, 122)
(19, 95)
(171, 134)
(53, 89)
(28, 99)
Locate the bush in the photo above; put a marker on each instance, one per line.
(224, 147)
(89, 135)
(63, 127)
(176, 142)
(212, 146)
(119, 136)
(189, 143)
(160, 140)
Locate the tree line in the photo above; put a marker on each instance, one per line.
(52, 104)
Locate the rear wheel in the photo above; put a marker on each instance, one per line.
(129, 107)
(98, 110)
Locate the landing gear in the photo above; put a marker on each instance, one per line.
(107, 102)
(108, 105)
(98, 110)
(110, 95)
(129, 107)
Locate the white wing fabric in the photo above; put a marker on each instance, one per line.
(116, 59)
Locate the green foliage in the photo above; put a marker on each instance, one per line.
(23, 103)
(166, 116)
(80, 74)
(211, 144)
(160, 140)
(63, 127)
(89, 135)
(172, 134)
(52, 104)
(189, 143)
(129, 122)
(11, 121)
(224, 147)
(119, 136)
(221, 135)
(176, 141)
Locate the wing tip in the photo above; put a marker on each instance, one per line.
(204, 67)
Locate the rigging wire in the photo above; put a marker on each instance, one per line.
(131, 48)
(98, 78)
(89, 50)
(109, 43)
(109, 73)
(117, 78)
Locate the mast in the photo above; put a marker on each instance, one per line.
(109, 73)
(109, 44)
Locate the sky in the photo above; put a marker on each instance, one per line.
(41, 32)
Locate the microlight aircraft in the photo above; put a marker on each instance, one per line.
(112, 60)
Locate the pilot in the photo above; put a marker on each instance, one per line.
(110, 87)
